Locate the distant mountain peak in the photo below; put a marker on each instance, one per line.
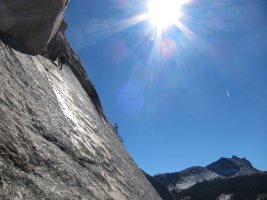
(235, 157)
(232, 166)
(222, 168)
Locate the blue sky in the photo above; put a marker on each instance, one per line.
(184, 99)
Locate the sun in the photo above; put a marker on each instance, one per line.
(164, 13)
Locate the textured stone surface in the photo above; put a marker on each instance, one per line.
(54, 142)
(59, 46)
(33, 22)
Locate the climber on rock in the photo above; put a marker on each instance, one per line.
(61, 61)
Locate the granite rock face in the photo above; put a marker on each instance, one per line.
(58, 47)
(33, 22)
(55, 141)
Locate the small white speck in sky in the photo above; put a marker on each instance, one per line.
(228, 94)
(152, 38)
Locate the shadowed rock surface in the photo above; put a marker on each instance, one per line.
(33, 22)
(55, 141)
(162, 190)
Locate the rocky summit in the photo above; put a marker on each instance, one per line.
(232, 167)
(56, 142)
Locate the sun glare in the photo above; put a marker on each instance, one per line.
(164, 13)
